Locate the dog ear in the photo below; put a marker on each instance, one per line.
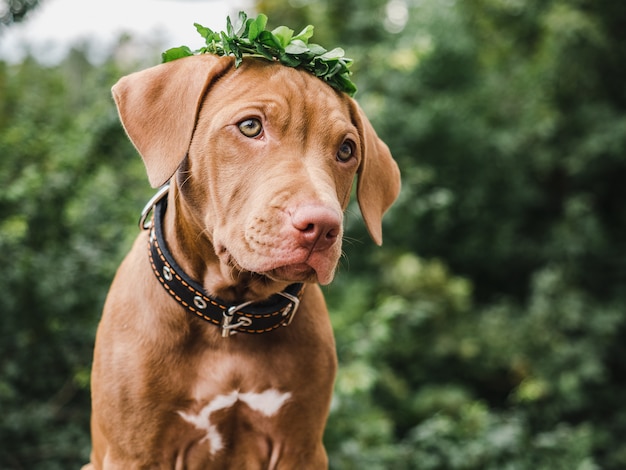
(378, 183)
(159, 106)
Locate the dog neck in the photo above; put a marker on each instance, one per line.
(191, 245)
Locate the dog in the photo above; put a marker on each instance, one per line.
(215, 348)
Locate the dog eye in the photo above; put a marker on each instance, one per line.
(346, 151)
(251, 127)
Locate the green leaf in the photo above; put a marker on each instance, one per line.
(296, 47)
(305, 34)
(268, 39)
(229, 28)
(335, 68)
(263, 50)
(225, 43)
(345, 84)
(289, 60)
(176, 53)
(284, 35)
(320, 68)
(336, 53)
(316, 49)
(243, 21)
(257, 26)
(206, 33)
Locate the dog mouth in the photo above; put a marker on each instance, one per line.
(304, 269)
(313, 269)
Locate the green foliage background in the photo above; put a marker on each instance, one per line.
(487, 333)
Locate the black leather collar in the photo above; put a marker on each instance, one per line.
(247, 317)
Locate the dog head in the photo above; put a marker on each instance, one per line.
(267, 155)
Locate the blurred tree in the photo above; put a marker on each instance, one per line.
(67, 171)
(14, 11)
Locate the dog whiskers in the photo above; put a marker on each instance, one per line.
(183, 172)
(343, 261)
(184, 182)
(203, 232)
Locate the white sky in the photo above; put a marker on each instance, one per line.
(58, 24)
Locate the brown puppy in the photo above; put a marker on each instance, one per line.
(260, 160)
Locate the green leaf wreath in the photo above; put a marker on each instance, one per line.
(251, 38)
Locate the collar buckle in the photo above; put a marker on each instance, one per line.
(228, 327)
(290, 310)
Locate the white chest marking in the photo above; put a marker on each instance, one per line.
(267, 403)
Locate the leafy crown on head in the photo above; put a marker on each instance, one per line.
(251, 38)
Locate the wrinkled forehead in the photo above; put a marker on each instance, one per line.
(280, 91)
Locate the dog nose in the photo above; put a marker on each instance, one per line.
(317, 227)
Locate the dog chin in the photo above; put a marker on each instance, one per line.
(300, 272)
(293, 273)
